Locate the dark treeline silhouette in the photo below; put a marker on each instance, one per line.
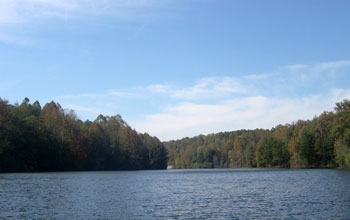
(52, 139)
(321, 142)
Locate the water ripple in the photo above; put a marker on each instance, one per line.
(177, 194)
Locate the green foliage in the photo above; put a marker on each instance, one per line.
(305, 147)
(343, 153)
(272, 153)
(322, 142)
(54, 139)
(343, 106)
(226, 149)
(341, 133)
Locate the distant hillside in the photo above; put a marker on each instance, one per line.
(52, 139)
(321, 142)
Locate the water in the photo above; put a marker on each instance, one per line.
(177, 194)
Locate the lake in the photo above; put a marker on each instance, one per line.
(177, 194)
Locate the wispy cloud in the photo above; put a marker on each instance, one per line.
(18, 17)
(10, 39)
(331, 66)
(190, 119)
(20, 11)
(214, 104)
(107, 94)
(258, 76)
(209, 87)
(317, 69)
(90, 105)
(253, 101)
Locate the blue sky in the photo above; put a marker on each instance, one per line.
(176, 68)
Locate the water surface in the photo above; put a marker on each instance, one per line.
(177, 194)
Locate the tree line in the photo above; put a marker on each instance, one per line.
(33, 138)
(321, 142)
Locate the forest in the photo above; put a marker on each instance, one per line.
(51, 138)
(323, 142)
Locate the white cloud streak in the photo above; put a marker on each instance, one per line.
(23, 11)
(258, 76)
(331, 66)
(190, 119)
(252, 101)
(20, 17)
(209, 87)
(225, 103)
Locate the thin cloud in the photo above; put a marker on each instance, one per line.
(19, 16)
(190, 119)
(258, 76)
(214, 104)
(209, 87)
(159, 88)
(22, 11)
(102, 95)
(265, 100)
(295, 67)
(11, 40)
(327, 66)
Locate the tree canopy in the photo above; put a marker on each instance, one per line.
(321, 142)
(50, 138)
(53, 139)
